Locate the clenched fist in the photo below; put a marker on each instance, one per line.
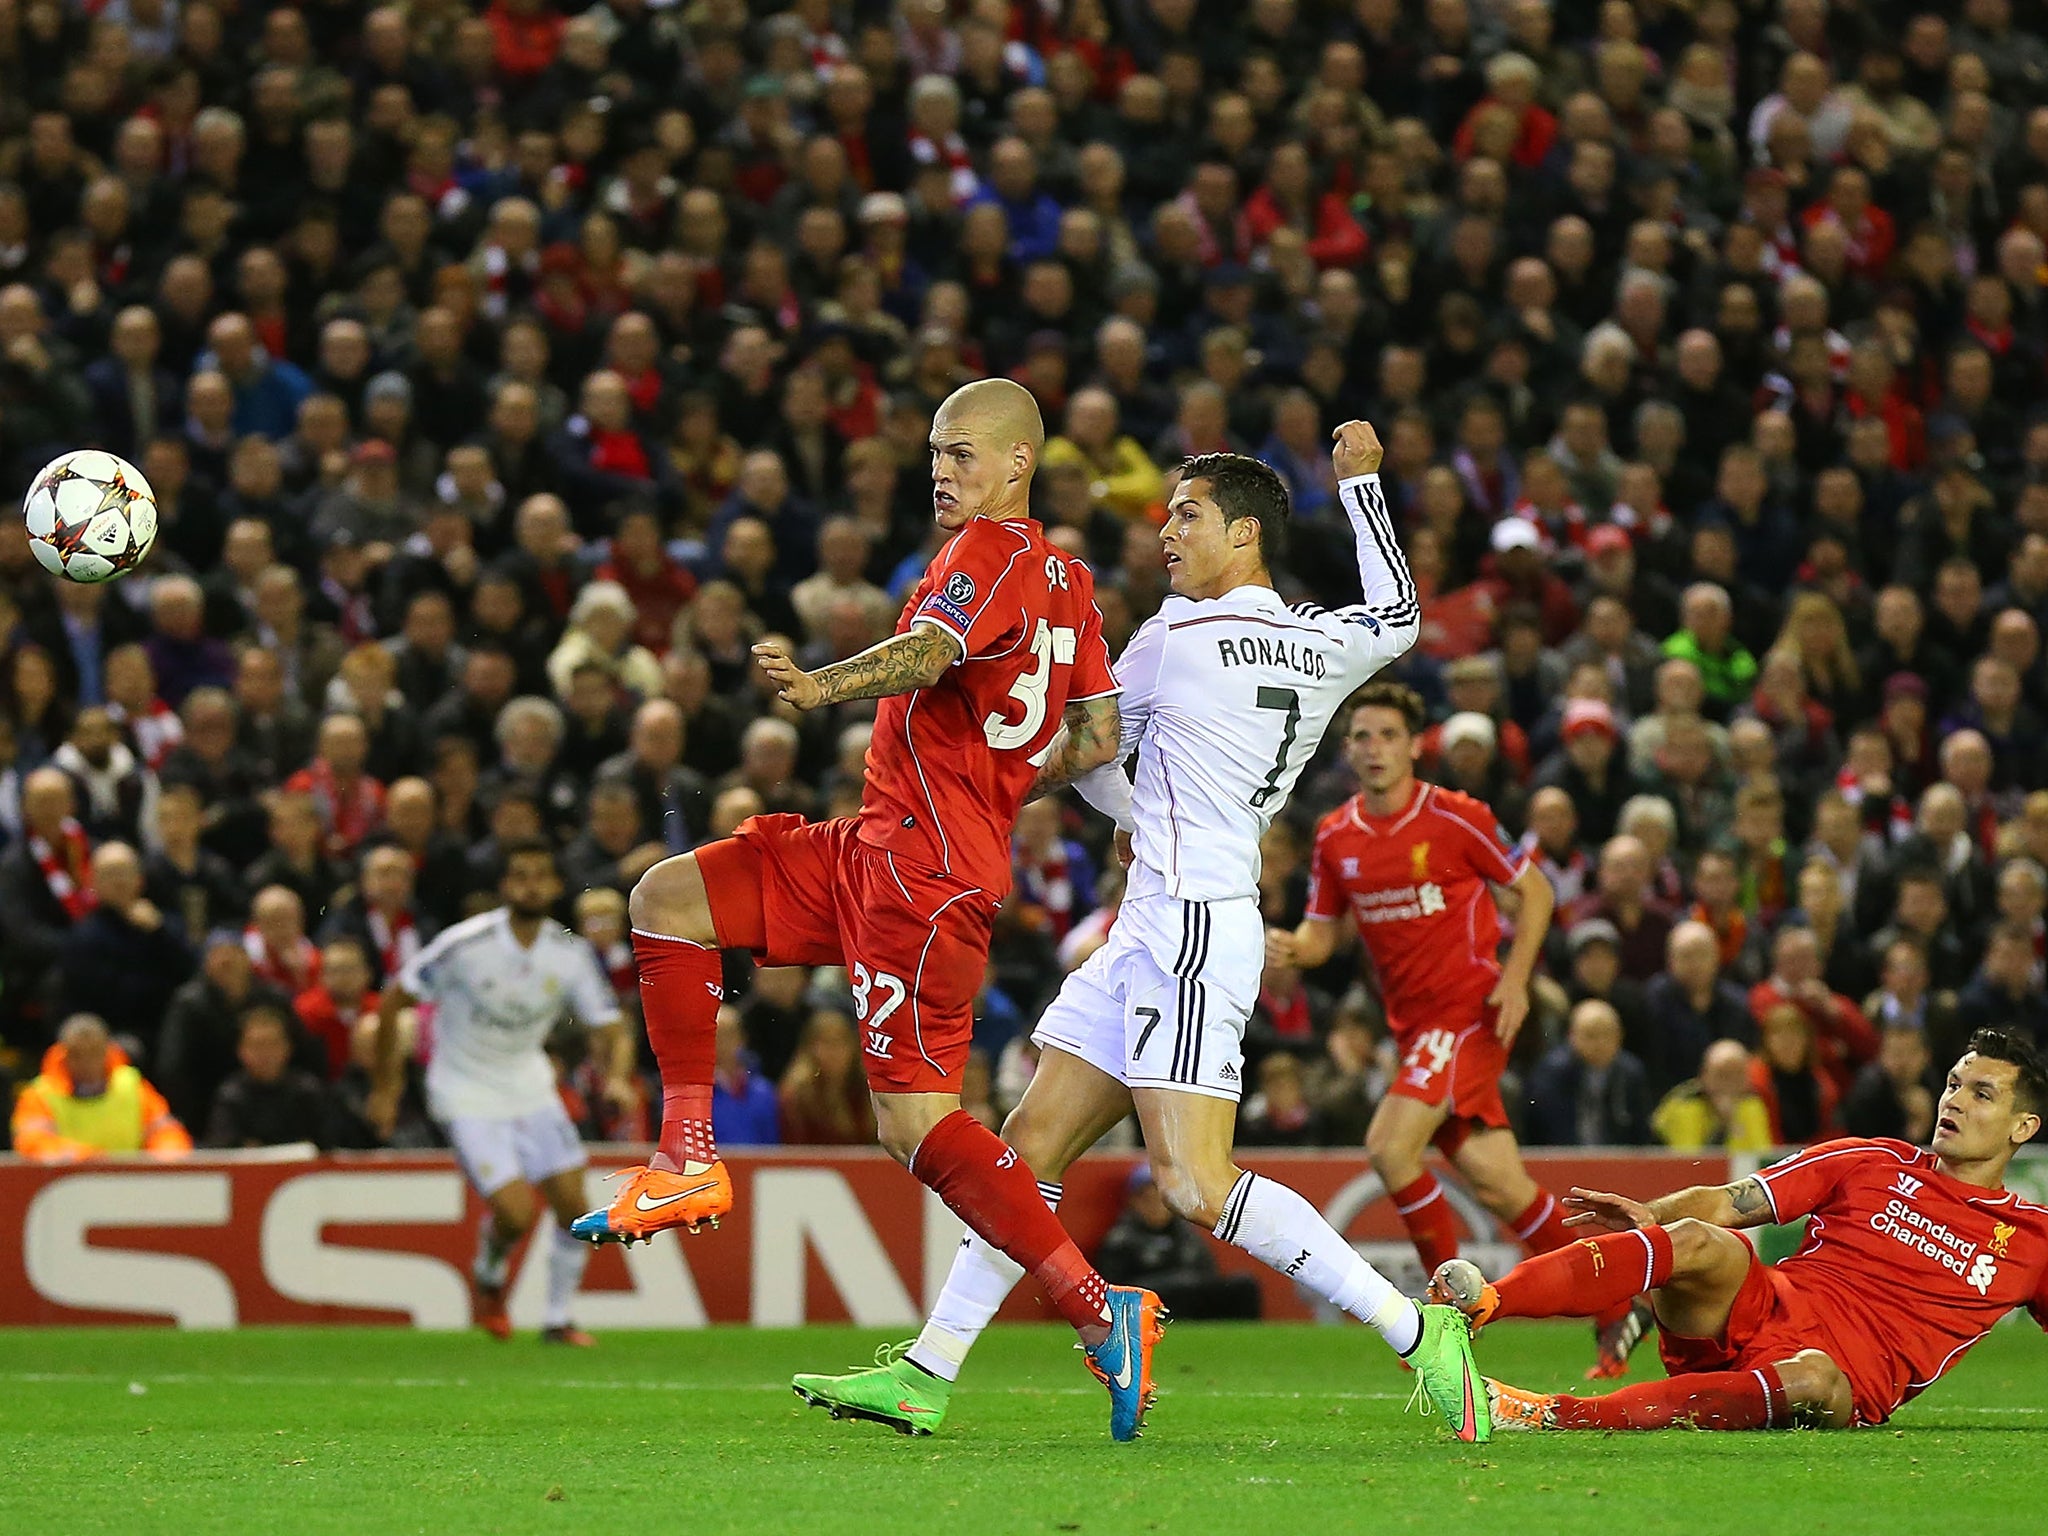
(1358, 450)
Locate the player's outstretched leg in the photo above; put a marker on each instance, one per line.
(1490, 1161)
(1808, 1389)
(1189, 1136)
(992, 1189)
(681, 986)
(1591, 1276)
(1066, 1110)
(910, 1385)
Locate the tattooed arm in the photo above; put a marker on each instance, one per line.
(915, 659)
(1089, 736)
(1741, 1204)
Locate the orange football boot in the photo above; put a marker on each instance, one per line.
(655, 1199)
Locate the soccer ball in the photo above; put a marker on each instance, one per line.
(91, 516)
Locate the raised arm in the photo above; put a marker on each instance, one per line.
(1088, 738)
(903, 663)
(1390, 608)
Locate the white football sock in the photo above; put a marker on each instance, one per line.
(1277, 1227)
(980, 1278)
(493, 1254)
(566, 1257)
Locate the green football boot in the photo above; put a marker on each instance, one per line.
(906, 1397)
(1446, 1378)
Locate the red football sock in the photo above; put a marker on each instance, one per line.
(1710, 1400)
(991, 1188)
(1432, 1224)
(1540, 1228)
(1588, 1277)
(681, 986)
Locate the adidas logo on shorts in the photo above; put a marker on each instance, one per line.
(1228, 1074)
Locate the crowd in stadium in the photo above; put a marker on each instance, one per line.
(502, 374)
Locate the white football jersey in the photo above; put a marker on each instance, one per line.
(1226, 700)
(495, 1000)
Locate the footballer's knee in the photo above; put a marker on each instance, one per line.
(1393, 1153)
(513, 1209)
(1817, 1390)
(1038, 1139)
(670, 900)
(1193, 1191)
(1699, 1246)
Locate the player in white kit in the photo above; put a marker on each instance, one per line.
(499, 982)
(1227, 691)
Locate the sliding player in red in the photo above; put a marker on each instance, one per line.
(1910, 1257)
(1415, 865)
(995, 685)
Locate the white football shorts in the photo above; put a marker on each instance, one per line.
(534, 1146)
(1163, 1003)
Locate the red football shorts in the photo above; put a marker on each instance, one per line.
(914, 942)
(1457, 1070)
(1771, 1321)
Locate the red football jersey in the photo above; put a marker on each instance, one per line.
(950, 764)
(1416, 884)
(1906, 1267)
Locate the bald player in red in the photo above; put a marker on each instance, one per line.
(1910, 1256)
(996, 686)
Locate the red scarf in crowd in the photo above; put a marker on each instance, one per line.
(155, 731)
(349, 816)
(396, 942)
(619, 453)
(294, 972)
(1048, 885)
(68, 874)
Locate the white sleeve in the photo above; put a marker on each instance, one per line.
(589, 993)
(1390, 618)
(1137, 674)
(1106, 788)
(424, 975)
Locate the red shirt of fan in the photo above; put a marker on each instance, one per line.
(1903, 1268)
(1416, 883)
(950, 765)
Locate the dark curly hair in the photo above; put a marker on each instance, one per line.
(1243, 487)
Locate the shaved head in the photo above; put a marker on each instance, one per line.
(1000, 410)
(985, 443)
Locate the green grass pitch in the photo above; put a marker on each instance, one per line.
(1258, 1429)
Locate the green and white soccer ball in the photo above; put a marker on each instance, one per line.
(91, 516)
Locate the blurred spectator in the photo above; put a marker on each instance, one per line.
(45, 887)
(89, 1101)
(1719, 1109)
(774, 1013)
(1895, 1095)
(1800, 1100)
(1844, 1040)
(2007, 991)
(196, 1050)
(824, 1095)
(1280, 1113)
(1587, 1091)
(268, 1102)
(1622, 897)
(1151, 1247)
(744, 1111)
(1594, 947)
(124, 958)
(1346, 1083)
(381, 916)
(330, 1009)
(1054, 874)
(1691, 1006)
